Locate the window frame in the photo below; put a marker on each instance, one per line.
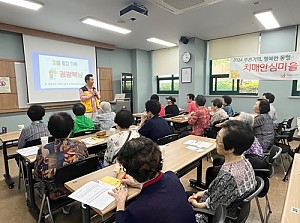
(232, 92)
(294, 88)
(163, 78)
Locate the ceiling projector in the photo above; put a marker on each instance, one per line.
(134, 12)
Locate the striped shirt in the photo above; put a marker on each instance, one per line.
(32, 132)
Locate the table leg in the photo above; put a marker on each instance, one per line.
(33, 208)
(9, 181)
(197, 183)
(86, 213)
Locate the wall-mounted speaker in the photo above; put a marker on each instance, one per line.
(184, 40)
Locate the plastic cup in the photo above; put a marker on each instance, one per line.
(44, 140)
(163, 151)
(20, 127)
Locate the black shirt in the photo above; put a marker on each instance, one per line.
(171, 110)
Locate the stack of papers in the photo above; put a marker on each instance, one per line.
(92, 140)
(28, 151)
(94, 194)
(196, 145)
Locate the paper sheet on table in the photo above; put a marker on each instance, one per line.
(202, 144)
(194, 148)
(190, 142)
(92, 140)
(28, 151)
(94, 194)
(111, 180)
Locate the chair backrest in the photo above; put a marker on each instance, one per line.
(220, 214)
(245, 205)
(75, 170)
(275, 152)
(34, 142)
(291, 133)
(167, 139)
(289, 123)
(86, 132)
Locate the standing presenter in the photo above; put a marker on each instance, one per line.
(90, 97)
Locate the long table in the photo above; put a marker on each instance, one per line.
(6, 138)
(291, 210)
(177, 159)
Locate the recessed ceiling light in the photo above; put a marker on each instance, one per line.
(161, 42)
(25, 3)
(267, 19)
(103, 25)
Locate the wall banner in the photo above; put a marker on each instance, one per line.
(275, 66)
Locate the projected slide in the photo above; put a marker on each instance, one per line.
(58, 72)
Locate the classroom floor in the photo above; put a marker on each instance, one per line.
(13, 208)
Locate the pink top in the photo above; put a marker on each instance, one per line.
(199, 120)
(162, 111)
(191, 107)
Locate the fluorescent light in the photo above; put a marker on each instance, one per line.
(161, 42)
(25, 3)
(267, 19)
(103, 25)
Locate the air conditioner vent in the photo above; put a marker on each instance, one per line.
(180, 6)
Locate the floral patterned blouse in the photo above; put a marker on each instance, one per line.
(55, 155)
(234, 182)
(115, 143)
(199, 120)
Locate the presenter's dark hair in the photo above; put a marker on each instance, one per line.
(87, 77)
(217, 102)
(153, 106)
(124, 119)
(264, 106)
(60, 125)
(154, 97)
(191, 96)
(269, 96)
(238, 135)
(141, 158)
(200, 100)
(227, 99)
(78, 109)
(36, 112)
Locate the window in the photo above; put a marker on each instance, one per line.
(220, 83)
(296, 88)
(168, 84)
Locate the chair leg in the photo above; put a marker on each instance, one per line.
(288, 171)
(42, 208)
(259, 210)
(283, 166)
(49, 210)
(20, 174)
(268, 210)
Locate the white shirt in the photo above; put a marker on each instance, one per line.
(273, 113)
(115, 143)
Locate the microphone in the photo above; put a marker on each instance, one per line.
(94, 88)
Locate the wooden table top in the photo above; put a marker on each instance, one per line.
(178, 119)
(176, 158)
(10, 136)
(291, 210)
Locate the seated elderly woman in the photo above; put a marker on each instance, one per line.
(255, 148)
(59, 153)
(217, 113)
(263, 125)
(162, 198)
(104, 120)
(124, 120)
(236, 178)
(200, 118)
